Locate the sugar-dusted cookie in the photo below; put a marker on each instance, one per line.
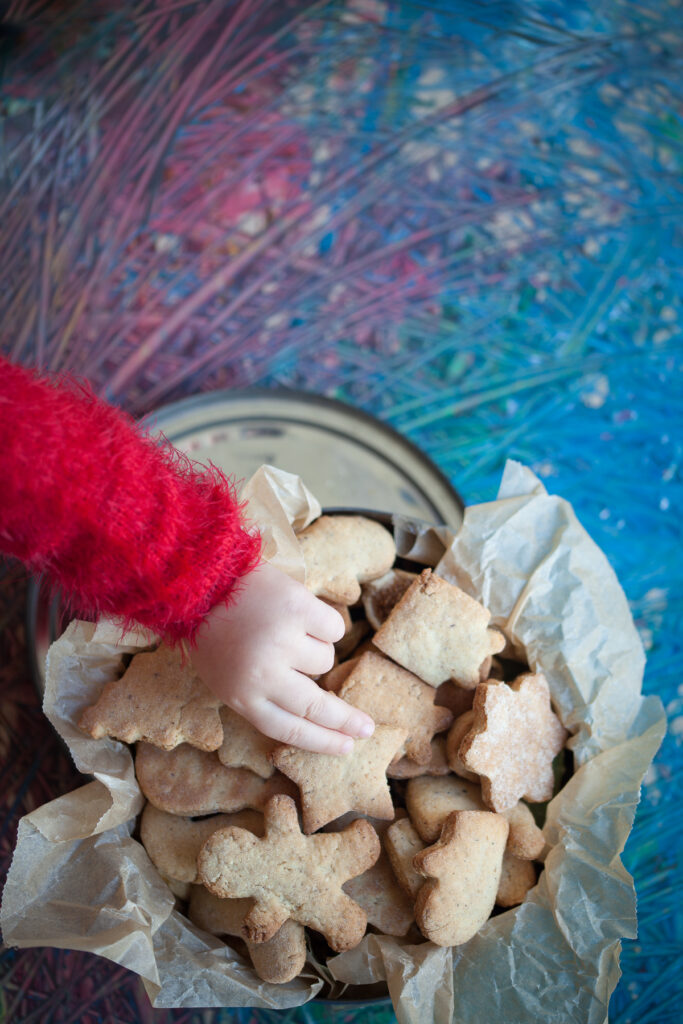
(402, 842)
(191, 782)
(430, 800)
(341, 552)
(292, 875)
(404, 768)
(172, 843)
(276, 961)
(463, 870)
(243, 745)
(438, 632)
(516, 878)
(514, 737)
(159, 699)
(393, 696)
(460, 727)
(332, 784)
(381, 595)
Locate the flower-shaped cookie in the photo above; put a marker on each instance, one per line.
(513, 741)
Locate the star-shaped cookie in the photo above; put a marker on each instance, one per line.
(291, 875)
(159, 699)
(393, 696)
(332, 784)
(514, 737)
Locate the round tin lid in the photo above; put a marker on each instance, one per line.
(345, 457)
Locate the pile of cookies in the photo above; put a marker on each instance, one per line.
(420, 832)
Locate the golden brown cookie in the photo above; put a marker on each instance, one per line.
(516, 878)
(341, 552)
(381, 595)
(402, 842)
(377, 891)
(456, 698)
(277, 960)
(514, 738)
(393, 696)
(243, 745)
(457, 731)
(159, 699)
(525, 840)
(332, 680)
(430, 800)
(332, 784)
(349, 643)
(215, 915)
(463, 870)
(438, 632)
(190, 782)
(292, 875)
(172, 843)
(404, 768)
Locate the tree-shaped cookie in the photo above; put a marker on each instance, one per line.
(332, 784)
(463, 870)
(439, 632)
(292, 875)
(514, 737)
(160, 699)
(341, 552)
(393, 696)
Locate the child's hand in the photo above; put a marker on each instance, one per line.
(254, 655)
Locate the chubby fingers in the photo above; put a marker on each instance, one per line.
(294, 731)
(323, 621)
(307, 701)
(304, 715)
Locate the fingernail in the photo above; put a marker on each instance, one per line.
(347, 747)
(367, 728)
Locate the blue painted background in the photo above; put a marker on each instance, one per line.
(465, 218)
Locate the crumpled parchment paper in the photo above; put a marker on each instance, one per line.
(79, 881)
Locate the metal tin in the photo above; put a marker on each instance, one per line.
(44, 619)
(345, 457)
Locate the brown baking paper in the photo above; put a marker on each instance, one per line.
(78, 880)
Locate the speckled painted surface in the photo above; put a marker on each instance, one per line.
(464, 218)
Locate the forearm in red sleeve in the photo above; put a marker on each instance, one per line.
(122, 525)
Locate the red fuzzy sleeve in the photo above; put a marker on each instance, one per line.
(122, 525)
